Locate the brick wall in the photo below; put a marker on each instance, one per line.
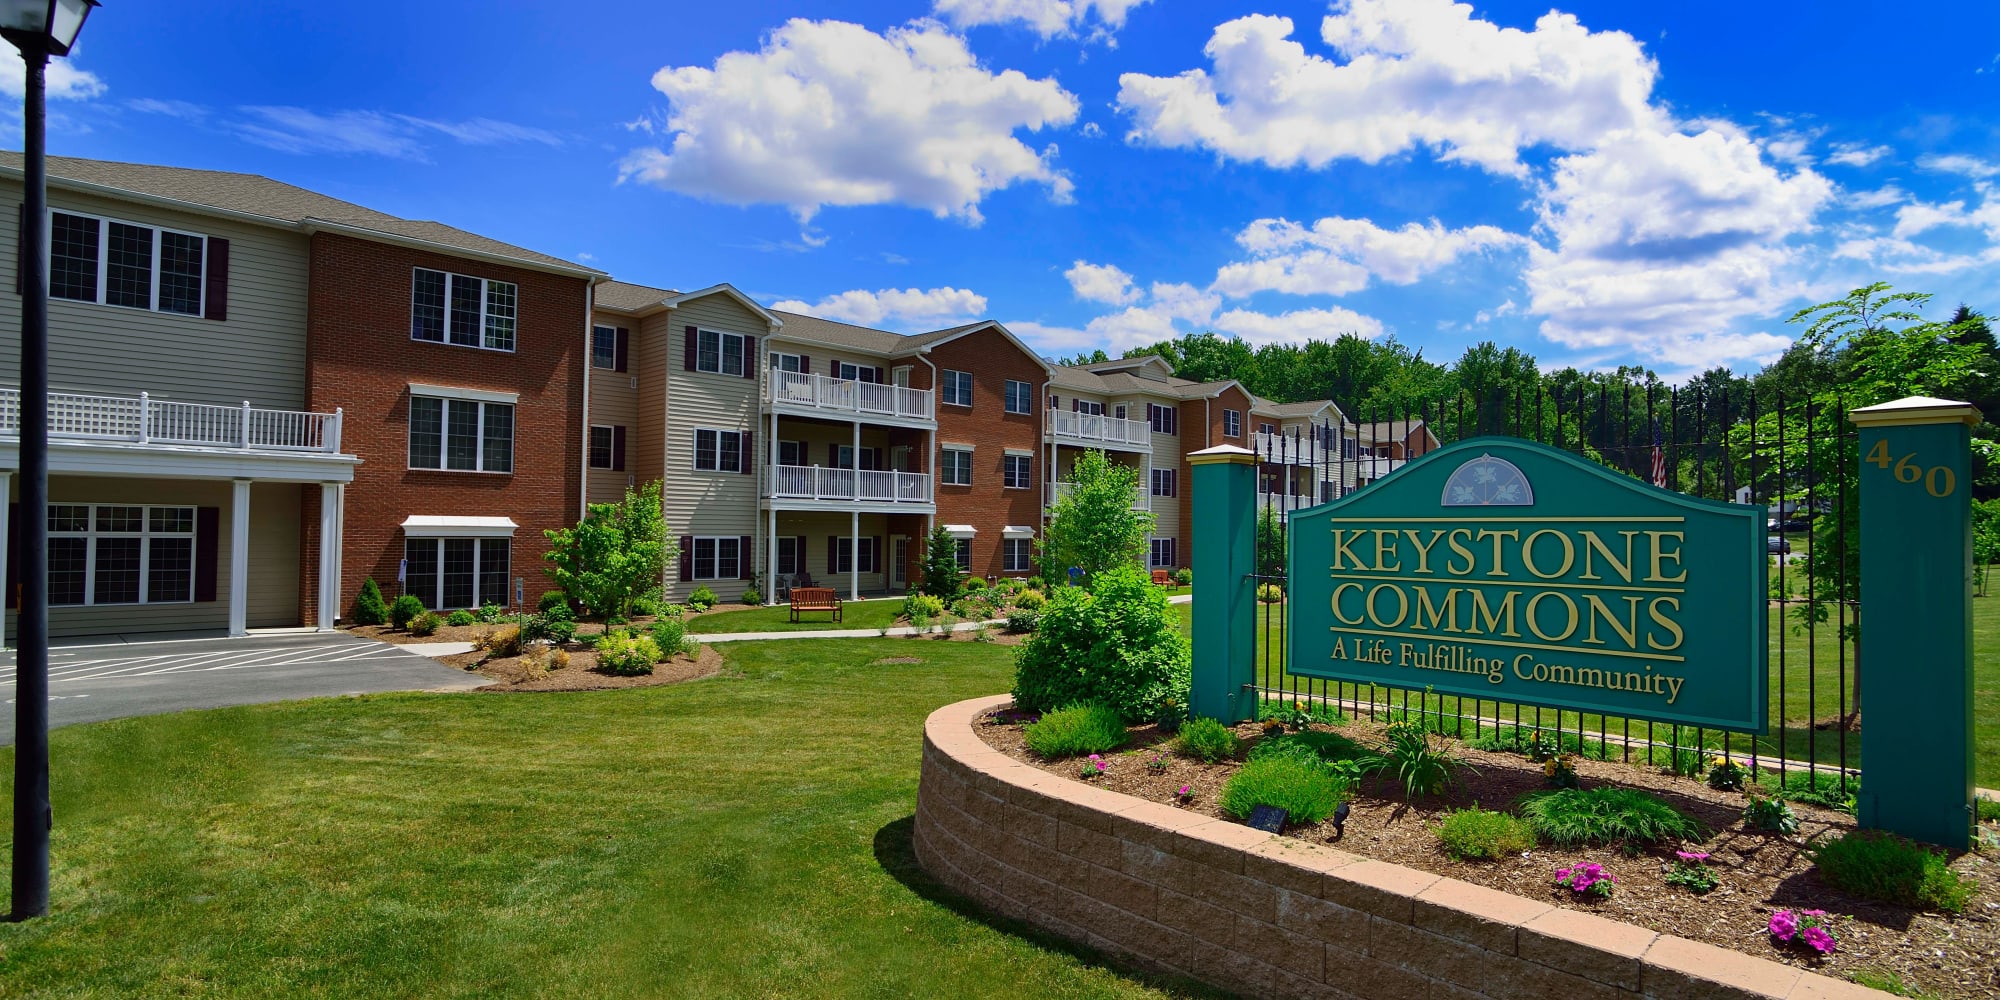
(1264, 916)
(359, 357)
(987, 505)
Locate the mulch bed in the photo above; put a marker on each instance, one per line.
(1956, 957)
(509, 674)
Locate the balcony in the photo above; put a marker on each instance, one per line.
(142, 420)
(818, 394)
(812, 482)
(1369, 468)
(1142, 498)
(1284, 449)
(1096, 429)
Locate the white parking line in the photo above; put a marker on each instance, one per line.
(158, 664)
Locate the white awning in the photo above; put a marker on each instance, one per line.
(960, 530)
(458, 526)
(1018, 531)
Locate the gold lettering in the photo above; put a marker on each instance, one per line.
(1402, 609)
(1492, 616)
(1385, 550)
(1343, 619)
(1569, 554)
(1523, 674)
(1535, 625)
(1593, 543)
(1499, 569)
(1661, 555)
(1628, 632)
(1451, 539)
(1445, 617)
(1342, 543)
(1660, 619)
(1424, 551)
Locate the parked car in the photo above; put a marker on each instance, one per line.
(1777, 545)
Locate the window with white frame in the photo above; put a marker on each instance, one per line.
(782, 362)
(791, 554)
(603, 447)
(843, 556)
(1017, 554)
(1089, 409)
(1020, 397)
(1266, 428)
(848, 372)
(963, 551)
(1162, 554)
(718, 558)
(955, 387)
(453, 573)
(459, 309)
(461, 435)
(791, 453)
(604, 347)
(1232, 423)
(1165, 419)
(721, 353)
(1166, 482)
(120, 554)
(1347, 447)
(125, 264)
(1329, 492)
(1019, 472)
(718, 451)
(955, 467)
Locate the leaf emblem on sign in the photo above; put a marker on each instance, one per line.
(1487, 481)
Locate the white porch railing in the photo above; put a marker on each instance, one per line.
(144, 420)
(1284, 449)
(849, 396)
(1094, 428)
(1142, 498)
(812, 482)
(1372, 467)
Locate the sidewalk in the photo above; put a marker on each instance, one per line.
(839, 633)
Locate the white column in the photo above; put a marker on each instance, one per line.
(239, 557)
(854, 550)
(6, 502)
(771, 558)
(329, 557)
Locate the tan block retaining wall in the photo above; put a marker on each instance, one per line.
(1265, 916)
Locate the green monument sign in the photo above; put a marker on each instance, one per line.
(1503, 569)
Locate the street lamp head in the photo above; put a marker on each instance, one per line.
(50, 26)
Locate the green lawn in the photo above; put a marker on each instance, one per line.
(745, 836)
(777, 618)
(1807, 693)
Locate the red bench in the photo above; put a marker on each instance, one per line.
(815, 599)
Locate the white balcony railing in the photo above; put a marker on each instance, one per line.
(812, 482)
(1369, 468)
(1284, 449)
(1142, 498)
(849, 396)
(1099, 429)
(147, 421)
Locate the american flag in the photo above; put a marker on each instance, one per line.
(1659, 459)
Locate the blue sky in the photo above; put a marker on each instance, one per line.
(1597, 183)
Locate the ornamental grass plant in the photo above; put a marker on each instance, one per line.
(1075, 731)
(1207, 740)
(1477, 834)
(1571, 817)
(1306, 790)
(1889, 869)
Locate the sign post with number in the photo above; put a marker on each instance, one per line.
(1916, 592)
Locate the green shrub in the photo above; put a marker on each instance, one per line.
(1573, 816)
(1420, 760)
(1988, 809)
(1119, 643)
(924, 605)
(702, 598)
(551, 599)
(1022, 621)
(490, 612)
(1770, 815)
(620, 652)
(369, 607)
(403, 609)
(670, 635)
(501, 640)
(559, 631)
(1306, 791)
(1299, 714)
(1207, 740)
(1477, 834)
(1889, 869)
(1814, 788)
(1184, 577)
(1007, 586)
(460, 617)
(425, 624)
(1078, 729)
(974, 609)
(1030, 600)
(1270, 593)
(972, 585)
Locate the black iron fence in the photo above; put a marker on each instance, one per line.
(1795, 457)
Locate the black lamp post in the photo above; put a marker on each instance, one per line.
(40, 29)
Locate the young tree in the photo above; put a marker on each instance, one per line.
(1093, 527)
(1270, 544)
(941, 576)
(618, 552)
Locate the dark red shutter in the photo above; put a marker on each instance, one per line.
(687, 552)
(621, 349)
(618, 448)
(749, 357)
(693, 345)
(207, 541)
(805, 365)
(833, 555)
(743, 557)
(216, 306)
(746, 453)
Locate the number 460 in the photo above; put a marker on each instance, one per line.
(1938, 481)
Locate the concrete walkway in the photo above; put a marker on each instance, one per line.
(838, 633)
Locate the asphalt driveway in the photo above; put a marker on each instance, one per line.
(90, 683)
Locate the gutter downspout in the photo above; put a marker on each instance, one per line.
(589, 334)
(930, 463)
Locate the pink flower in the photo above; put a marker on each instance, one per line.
(1692, 857)
(1820, 940)
(1784, 925)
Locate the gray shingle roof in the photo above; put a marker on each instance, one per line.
(623, 296)
(250, 194)
(836, 334)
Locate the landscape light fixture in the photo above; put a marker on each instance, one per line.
(40, 29)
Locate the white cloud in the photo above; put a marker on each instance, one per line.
(1337, 255)
(1855, 154)
(1485, 316)
(1970, 166)
(1416, 73)
(1101, 283)
(830, 113)
(1918, 217)
(1882, 197)
(184, 110)
(1047, 18)
(909, 307)
(1297, 325)
(63, 80)
(403, 137)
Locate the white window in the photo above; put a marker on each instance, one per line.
(120, 554)
(462, 310)
(1118, 411)
(791, 554)
(1089, 409)
(722, 353)
(964, 555)
(1017, 554)
(1329, 492)
(718, 558)
(843, 556)
(1165, 419)
(1020, 397)
(719, 451)
(603, 442)
(461, 435)
(1019, 472)
(1346, 447)
(783, 362)
(123, 264)
(1232, 423)
(956, 387)
(1166, 482)
(453, 573)
(1162, 555)
(853, 373)
(603, 347)
(955, 468)
(791, 453)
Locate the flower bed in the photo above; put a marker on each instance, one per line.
(1727, 890)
